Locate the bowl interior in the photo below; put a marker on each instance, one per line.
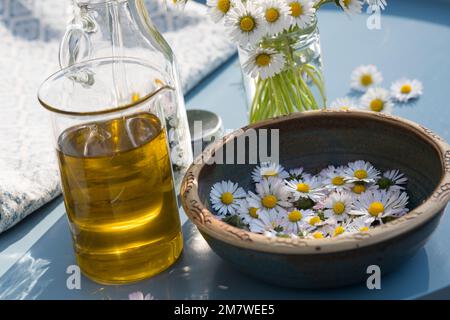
(314, 142)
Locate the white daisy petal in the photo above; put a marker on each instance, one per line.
(225, 197)
(268, 169)
(302, 12)
(345, 103)
(218, 8)
(275, 16)
(351, 7)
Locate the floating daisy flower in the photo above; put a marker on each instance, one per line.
(344, 104)
(358, 225)
(337, 206)
(247, 212)
(264, 62)
(392, 180)
(275, 15)
(404, 90)
(310, 188)
(245, 22)
(269, 169)
(365, 77)
(377, 100)
(218, 8)
(380, 204)
(269, 223)
(361, 171)
(225, 197)
(296, 220)
(334, 230)
(357, 188)
(351, 6)
(298, 174)
(316, 235)
(334, 179)
(272, 196)
(301, 12)
(313, 221)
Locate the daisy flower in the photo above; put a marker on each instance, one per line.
(218, 8)
(337, 206)
(296, 220)
(269, 223)
(313, 221)
(301, 12)
(310, 188)
(334, 179)
(247, 212)
(377, 100)
(357, 188)
(379, 204)
(264, 62)
(345, 104)
(358, 225)
(298, 173)
(225, 197)
(351, 6)
(271, 196)
(268, 169)
(404, 90)
(316, 235)
(392, 180)
(275, 15)
(361, 171)
(365, 77)
(334, 229)
(245, 22)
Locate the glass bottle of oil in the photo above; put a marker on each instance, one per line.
(115, 167)
(124, 28)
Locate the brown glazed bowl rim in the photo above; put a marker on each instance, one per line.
(205, 221)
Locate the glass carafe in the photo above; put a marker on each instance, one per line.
(116, 172)
(123, 28)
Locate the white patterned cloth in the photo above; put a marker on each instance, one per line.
(28, 171)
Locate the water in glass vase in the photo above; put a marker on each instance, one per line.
(119, 196)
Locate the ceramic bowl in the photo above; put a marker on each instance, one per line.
(315, 140)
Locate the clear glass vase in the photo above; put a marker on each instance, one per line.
(298, 87)
(123, 28)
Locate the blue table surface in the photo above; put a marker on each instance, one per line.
(414, 41)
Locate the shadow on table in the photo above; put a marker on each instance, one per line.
(199, 274)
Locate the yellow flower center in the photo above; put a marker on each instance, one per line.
(303, 187)
(270, 173)
(347, 3)
(344, 108)
(318, 235)
(406, 89)
(227, 198)
(339, 208)
(338, 181)
(253, 212)
(223, 5)
(272, 15)
(247, 24)
(360, 174)
(135, 97)
(376, 208)
(366, 80)
(359, 188)
(364, 229)
(296, 9)
(295, 216)
(377, 105)
(339, 230)
(314, 220)
(269, 201)
(263, 59)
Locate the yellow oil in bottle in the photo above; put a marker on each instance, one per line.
(120, 200)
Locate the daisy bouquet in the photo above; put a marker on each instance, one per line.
(339, 200)
(279, 49)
